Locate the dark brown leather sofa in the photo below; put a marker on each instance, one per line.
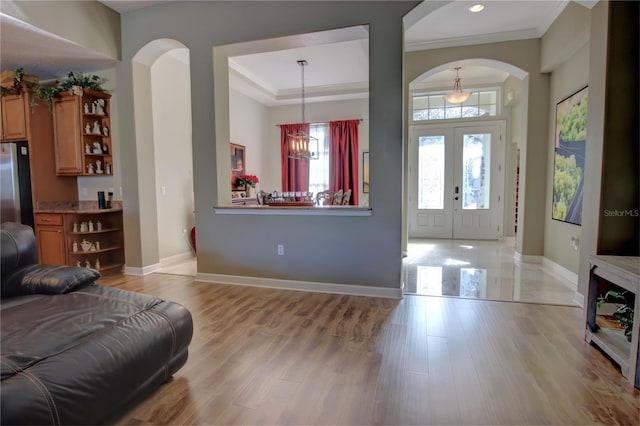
(74, 352)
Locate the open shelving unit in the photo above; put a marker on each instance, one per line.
(623, 272)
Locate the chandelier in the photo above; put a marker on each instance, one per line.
(302, 145)
(457, 96)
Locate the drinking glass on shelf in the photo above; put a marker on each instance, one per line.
(298, 195)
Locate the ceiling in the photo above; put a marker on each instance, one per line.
(337, 69)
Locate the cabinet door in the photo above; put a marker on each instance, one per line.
(14, 122)
(67, 124)
(51, 247)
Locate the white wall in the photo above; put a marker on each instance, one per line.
(171, 95)
(516, 110)
(248, 126)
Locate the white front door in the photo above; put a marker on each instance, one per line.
(456, 181)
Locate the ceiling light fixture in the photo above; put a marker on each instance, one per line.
(302, 145)
(457, 96)
(479, 7)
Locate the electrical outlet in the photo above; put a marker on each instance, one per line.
(85, 192)
(280, 249)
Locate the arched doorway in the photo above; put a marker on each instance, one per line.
(447, 175)
(162, 105)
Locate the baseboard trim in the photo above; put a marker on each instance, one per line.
(145, 270)
(314, 287)
(578, 299)
(571, 278)
(185, 255)
(526, 258)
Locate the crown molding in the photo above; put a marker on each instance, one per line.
(472, 40)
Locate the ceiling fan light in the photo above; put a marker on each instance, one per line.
(478, 7)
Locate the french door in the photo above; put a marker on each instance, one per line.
(456, 181)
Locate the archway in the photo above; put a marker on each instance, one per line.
(162, 106)
(514, 106)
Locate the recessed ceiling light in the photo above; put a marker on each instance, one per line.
(476, 8)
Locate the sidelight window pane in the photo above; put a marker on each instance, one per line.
(476, 157)
(431, 172)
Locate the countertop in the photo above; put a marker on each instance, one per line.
(75, 207)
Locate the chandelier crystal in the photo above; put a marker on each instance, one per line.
(302, 145)
(457, 96)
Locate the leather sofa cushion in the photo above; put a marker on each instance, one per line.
(47, 279)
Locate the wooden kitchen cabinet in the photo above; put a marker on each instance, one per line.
(27, 119)
(51, 239)
(82, 132)
(87, 237)
(14, 121)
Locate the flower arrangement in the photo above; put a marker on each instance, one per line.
(247, 180)
(74, 83)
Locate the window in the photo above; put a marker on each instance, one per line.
(319, 169)
(432, 106)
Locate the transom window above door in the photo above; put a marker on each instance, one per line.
(432, 106)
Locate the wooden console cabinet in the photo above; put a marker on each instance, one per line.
(624, 272)
(82, 132)
(64, 240)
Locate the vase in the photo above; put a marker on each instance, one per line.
(248, 191)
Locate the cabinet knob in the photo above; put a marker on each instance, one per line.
(47, 220)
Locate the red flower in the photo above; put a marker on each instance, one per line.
(249, 180)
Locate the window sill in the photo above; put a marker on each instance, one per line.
(294, 211)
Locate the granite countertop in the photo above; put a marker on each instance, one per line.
(75, 207)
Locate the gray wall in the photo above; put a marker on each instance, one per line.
(524, 54)
(353, 250)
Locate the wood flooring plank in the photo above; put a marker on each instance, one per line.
(265, 356)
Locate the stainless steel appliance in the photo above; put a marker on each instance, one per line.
(15, 183)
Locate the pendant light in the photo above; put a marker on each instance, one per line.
(457, 96)
(302, 145)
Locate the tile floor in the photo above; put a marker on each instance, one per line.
(481, 270)
(469, 269)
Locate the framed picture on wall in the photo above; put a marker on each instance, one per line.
(365, 172)
(238, 165)
(569, 158)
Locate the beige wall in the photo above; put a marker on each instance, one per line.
(566, 79)
(525, 55)
(171, 95)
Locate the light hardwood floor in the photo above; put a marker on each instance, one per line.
(265, 356)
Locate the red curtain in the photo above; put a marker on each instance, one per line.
(295, 172)
(343, 157)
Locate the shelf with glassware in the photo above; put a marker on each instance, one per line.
(83, 134)
(95, 240)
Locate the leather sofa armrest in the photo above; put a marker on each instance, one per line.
(47, 279)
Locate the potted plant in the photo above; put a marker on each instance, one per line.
(624, 301)
(74, 83)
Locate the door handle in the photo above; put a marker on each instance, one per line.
(456, 191)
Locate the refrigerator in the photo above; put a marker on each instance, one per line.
(15, 182)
